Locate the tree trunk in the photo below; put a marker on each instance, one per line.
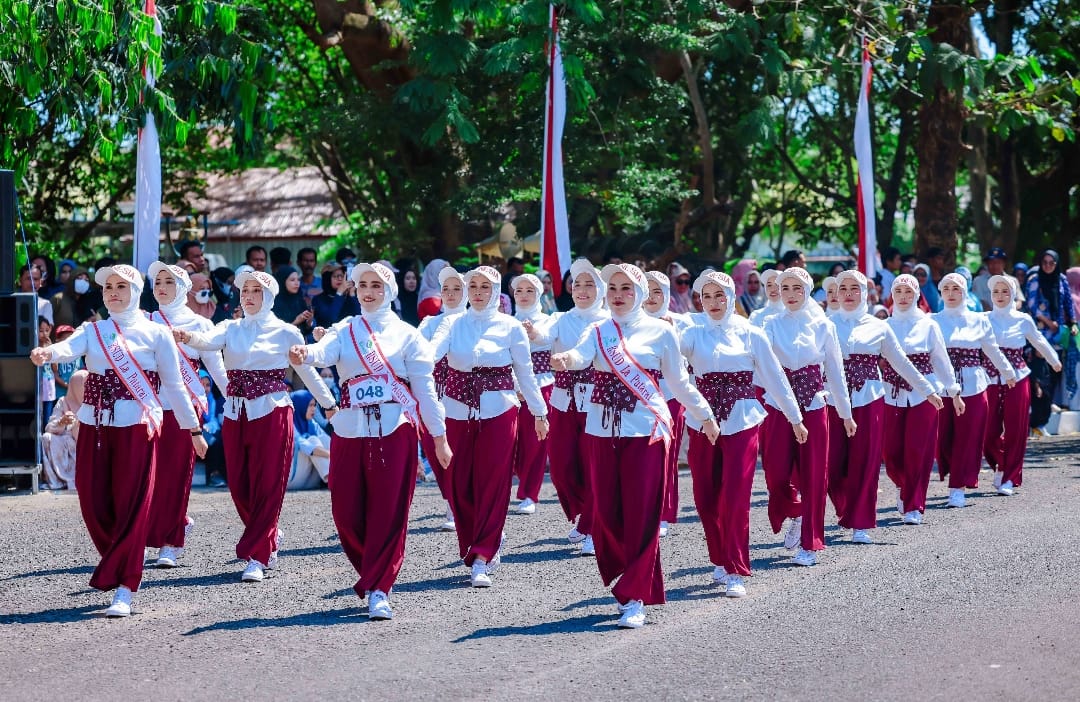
(1006, 14)
(979, 181)
(938, 147)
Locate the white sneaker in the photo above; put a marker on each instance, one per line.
(480, 576)
(899, 502)
(1006, 488)
(998, 477)
(379, 606)
(272, 562)
(664, 527)
(189, 526)
(449, 524)
(253, 573)
(587, 547)
(956, 497)
(805, 558)
(860, 536)
(121, 604)
(168, 556)
(526, 506)
(496, 560)
(794, 534)
(633, 615)
(735, 587)
(913, 517)
(575, 536)
(719, 575)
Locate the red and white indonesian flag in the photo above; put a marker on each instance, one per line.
(554, 227)
(865, 184)
(148, 176)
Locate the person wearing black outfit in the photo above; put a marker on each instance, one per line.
(337, 299)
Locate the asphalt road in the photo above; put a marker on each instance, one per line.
(978, 603)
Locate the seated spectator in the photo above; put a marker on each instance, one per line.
(61, 434)
(337, 300)
(211, 426)
(62, 372)
(200, 299)
(311, 446)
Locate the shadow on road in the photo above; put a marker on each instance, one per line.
(592, 622)
(74, 570)
(53, 616)
(333, 617)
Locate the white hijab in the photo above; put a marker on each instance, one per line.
(269, 291)
(177, 311)
(914, 312)
(131, 275)
(727, 283)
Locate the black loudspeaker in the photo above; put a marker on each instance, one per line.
(7, 232)
(18, 324)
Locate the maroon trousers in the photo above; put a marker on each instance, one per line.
(427, 443)
(793, 469)
(723, 482)
(258, 455)
(481, 475)
(115, 479)
(855, 465)
(570, 473)
(1007, 416)
(910, 442)
(960, 443)
(531, 455)
(371, 490)
(172, 485)
(628, 494)
(671, 465)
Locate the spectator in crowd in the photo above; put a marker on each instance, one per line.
(345, 257)
(47, 394)
(311, 446)
(337, 299)
(225, 294)
(289, 304)
(256, 258)
(792, 258)
(753, 296)
(211, 427)
(61, 434)
(200, 299)
(514, 267)
(935, 259)
(30, 279)
(880, 311)
(1049, 301)
(890, 268)
(995, 260)
(738, 275)
(681, 298)
(307, 259)
(430, 294)
(1020, 272)
(547, 299)
(192, 258)
(408, 281)
(565, 301)
(49, 285)
(279, 257)
(970, 301)
(75, 304)
(928, 292)
(63, 274)
(62, 372)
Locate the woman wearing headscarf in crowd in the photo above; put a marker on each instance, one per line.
(452, 292)
(657, 306)
(681, 298)
(1009, 406)
(564, 301)
(627, 433)
(226, 295)
(387, 390)
(971, 301)
(63, 273)
(970, 340)
(908, 414)
(753, 297)
(570, 401)
(727, 353)
(487, 352)
(311, 446)
(773, 305)
(290, 305)
(929, 297)
(337, 300)
(129, 358)
(855, 461)
(61, 436)
(547, 298)
(1072, 354)
(531, 454)
(200, 298)
(739, 273)
(258, 429)
(430, 301)
(1049, 301)
(796, 473)
(169, 521)
(408, 283)
(77, 303)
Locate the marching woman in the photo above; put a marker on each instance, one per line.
(570, 401)
(969, 338)
(385, 367)
(656, 306)
(1008, 408)
(627, 432)
(169, 523)
(832, 302)
(773, 304)
(486, 351)
(727, 353)
(854, 463)
(911, 422)
(530, 454)
(130, 359)
(452, 290)
(258, 429)
(805, 342)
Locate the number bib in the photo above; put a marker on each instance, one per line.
(369, 390)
